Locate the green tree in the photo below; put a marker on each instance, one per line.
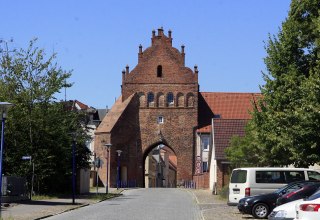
(244, 151)
(38, 125)
(285, 125)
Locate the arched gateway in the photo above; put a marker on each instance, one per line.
(158, 106)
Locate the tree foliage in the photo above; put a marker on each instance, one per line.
(286, 123)
(38, 125)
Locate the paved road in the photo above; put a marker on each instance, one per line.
(140, 204)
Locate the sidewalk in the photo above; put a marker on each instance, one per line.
(214, 208)
(28, 210)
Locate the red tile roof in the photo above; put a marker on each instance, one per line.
(224, 129)
(224, 105)
(81, 105)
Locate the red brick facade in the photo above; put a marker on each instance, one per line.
(159, 86)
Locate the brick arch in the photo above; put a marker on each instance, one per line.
(142, 99)
(148, 150)
(151, 147)
(190, 100)
(160, 100)
(180, 99)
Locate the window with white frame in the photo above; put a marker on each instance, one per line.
(160, 120)
(205, 166)
(205, 142)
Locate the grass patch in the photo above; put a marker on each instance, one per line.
(93, 196)
(103, 196)
(223, 193)
(44, 197)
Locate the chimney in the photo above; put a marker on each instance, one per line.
(170, 37)
(183, 54)
(140, 48)
(196, 69)
(160, 31)
(140, 53)
(127, 69)
(153, 36)
(123, 76)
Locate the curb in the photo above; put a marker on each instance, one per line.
(78, 207)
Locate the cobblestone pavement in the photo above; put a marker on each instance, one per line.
(214, 208)
(211, 206)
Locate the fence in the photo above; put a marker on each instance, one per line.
(128, 184)
(14, 188)
(190, 184)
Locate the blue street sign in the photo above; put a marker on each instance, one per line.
(26, 158)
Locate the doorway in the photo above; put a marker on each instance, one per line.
(160, 167)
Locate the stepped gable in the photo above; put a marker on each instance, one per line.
(162, 55)
(112, 117)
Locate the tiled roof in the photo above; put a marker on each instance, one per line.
(224, 129)
(81, 105)
(225, 106)
(110, 120)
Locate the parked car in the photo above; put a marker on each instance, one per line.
(257, 180)
(308, 209)
(302, 193)
(288, 211)
(261, 205)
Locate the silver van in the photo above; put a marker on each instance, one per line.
(258, 180)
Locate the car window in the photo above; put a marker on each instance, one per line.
(239, 176)
(292, 176)
(313, 175)
(270, 177)
(315, 195)
(292, 187)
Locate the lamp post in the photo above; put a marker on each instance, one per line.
(118, 168)
(73, 169)
(4, 106)
(108, 146)
(32, 178)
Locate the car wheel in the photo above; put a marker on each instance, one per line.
(260, 210)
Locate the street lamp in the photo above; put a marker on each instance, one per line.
(4, 106)
(32, 178)
(118, 168)
(73, 167)
(108, 146)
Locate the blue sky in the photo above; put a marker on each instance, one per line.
(97, 39)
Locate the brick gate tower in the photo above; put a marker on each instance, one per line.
(158, 105)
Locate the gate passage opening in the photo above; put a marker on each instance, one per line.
(160, 168)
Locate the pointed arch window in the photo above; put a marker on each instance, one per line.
(159, 71)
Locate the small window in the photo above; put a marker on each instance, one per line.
(160, 120)
(159, 71)
(205, 166)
